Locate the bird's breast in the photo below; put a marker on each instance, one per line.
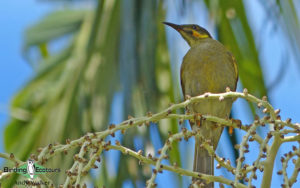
(207, 68)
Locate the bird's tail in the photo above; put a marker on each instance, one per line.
(203, 162)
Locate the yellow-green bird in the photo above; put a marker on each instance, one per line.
(207, 67)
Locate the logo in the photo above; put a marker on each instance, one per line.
(31, 169)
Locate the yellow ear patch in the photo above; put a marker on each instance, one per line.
(198, 35)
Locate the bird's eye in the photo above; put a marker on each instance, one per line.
(194, 27)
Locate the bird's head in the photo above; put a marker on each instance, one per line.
(191, 33)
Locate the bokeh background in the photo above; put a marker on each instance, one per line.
(71, 67)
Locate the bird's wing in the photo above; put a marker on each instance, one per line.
(182, 84)
(233, 61)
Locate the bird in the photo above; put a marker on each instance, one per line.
(207, 67)
(30, 168)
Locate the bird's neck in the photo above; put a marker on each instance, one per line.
(199, 41)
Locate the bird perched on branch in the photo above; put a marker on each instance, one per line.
(207, 67)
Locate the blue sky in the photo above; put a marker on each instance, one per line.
(16, 15)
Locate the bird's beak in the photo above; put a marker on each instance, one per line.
(174, 26)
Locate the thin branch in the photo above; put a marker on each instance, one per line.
(175, 169)
(93, 144)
